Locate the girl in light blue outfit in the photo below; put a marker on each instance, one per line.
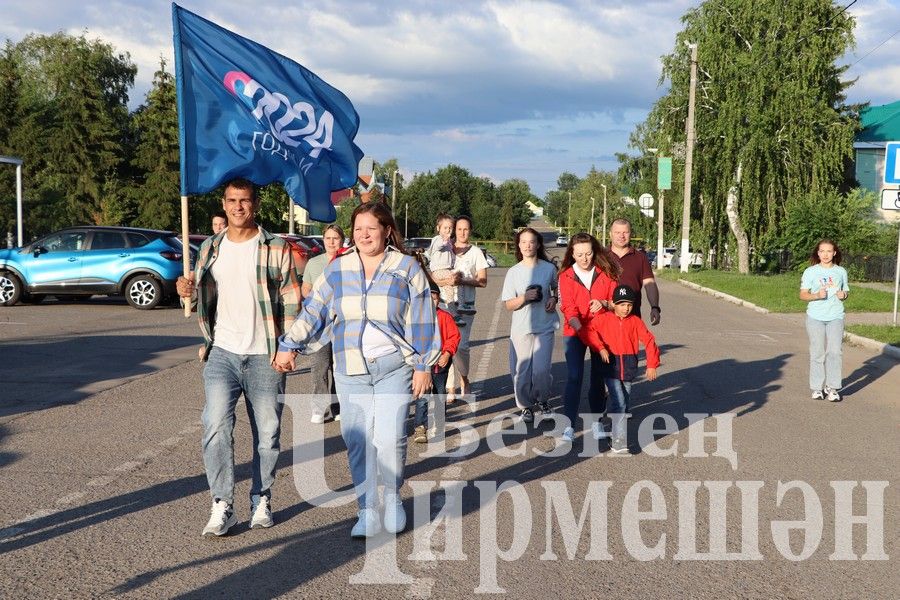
(824, 286)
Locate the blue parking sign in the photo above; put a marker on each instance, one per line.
(892, 163)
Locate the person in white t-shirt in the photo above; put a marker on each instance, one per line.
(469, 272)
(530, 292)
(247, 295)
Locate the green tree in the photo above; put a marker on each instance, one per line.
(158, 191)
(557, 201)
(72, 125)
(771, 120)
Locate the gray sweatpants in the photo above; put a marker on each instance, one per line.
(530, 360)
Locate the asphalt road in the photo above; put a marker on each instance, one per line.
(102, 491)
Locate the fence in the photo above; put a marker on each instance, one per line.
(871, 267)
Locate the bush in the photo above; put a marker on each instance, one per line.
(849, 220)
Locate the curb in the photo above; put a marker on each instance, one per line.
(856, 340)
(723, 296)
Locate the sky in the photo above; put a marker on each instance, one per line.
(504, 88)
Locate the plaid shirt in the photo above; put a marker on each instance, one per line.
(397, 303)
(277, 288)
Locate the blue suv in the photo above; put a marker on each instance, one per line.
(140, 264)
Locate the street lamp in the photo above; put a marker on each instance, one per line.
(603, 185)
(688, 165)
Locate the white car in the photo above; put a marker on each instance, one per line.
(562, 240)
(669, 254)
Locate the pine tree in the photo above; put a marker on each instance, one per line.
(157, 155)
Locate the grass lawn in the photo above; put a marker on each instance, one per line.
(883, 333)
(778, 293)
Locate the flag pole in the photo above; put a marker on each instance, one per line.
(186, 254)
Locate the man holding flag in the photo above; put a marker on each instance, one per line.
(248, 115)
(247, 295)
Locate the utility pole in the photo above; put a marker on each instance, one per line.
(592, 215)
(688, 166)
(394, 192)
(603, 185)
(659, 231)
(406, 222)
(569, 228)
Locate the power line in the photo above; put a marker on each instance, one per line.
(875, 48)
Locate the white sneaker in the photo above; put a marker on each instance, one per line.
(317, 418)
(221, 519)
(832, 395)
(598, 431)
(367, 525)
(260, 511)
(394, 514)
(818, 395)
(568, 435)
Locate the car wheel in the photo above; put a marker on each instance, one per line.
(143, 292)
(10, 289)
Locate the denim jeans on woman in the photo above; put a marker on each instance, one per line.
(225, 377)
(575, 349)
(374, 408)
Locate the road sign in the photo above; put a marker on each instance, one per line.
(664, 173)
(645, 200)
(892, 163)
(648, 212)
(890, 199)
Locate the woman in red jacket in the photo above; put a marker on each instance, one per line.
(586, 283)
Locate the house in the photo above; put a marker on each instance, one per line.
(880, 124)
(536, 211)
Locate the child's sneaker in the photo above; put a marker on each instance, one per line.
(832, 395)
(420, 435)
(818, 395)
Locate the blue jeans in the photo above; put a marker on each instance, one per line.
(619, 398)
(825, 339)
(225, 377)
(575, 349)
(374, 408)
(438, 389)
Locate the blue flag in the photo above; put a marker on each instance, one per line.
(246, 111)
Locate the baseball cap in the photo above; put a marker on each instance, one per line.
(623, 293)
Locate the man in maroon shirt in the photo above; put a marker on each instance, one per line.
(636, 271)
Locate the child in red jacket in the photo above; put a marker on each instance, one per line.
(449, 343)
(620, 334)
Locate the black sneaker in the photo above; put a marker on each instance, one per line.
(544, 407)
(527, 415)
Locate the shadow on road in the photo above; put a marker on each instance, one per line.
(40, 374)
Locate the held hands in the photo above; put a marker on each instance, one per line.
(285, 362)
(550, 306)
(443, 359)
(185, 287)
(594, 306)
(421, 383)
(651, 374)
